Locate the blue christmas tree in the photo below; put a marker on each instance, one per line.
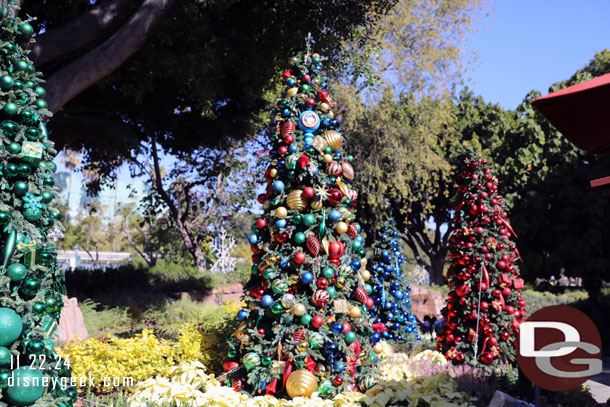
(391, 290)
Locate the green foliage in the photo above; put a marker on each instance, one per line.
(536, 300)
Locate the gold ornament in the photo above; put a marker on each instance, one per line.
(365, 274)
(355, 312)
(348, 170)
(333, 138)
(301, 383)
(344, 213)
(316, 204)
(325, 107)
(341, 228)
(302, 346)
(319, 144)
(295, 200)
(281, 212)
(291, 92)
(299, 310)
(273, 172)
(324, 245)
(327, 158)
(331, 114)
(378, 348)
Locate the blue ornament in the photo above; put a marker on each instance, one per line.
(337, 328)
(338, 156)
(385, 254)
(284, 263)
(386, 335)
(291, 82)
(325, 85)
(399, 338)
(286, 113)
(359, 239)
(396, 326)
(309, 121)
(293, 148)
(281, 163)
(339, 366)
(253, 239)
(334, 215)
(394, 286)
(307, 277)
(266, 301)
(242, 314)
(399, 295)
(375, 337)
(280, 223)
(308, 138)
(389, 316)
(335, 123)
(356, 264)
(278, 186)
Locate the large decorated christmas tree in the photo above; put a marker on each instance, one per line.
(306, 326)
(390, 288)
(30, 282)
(485, 307)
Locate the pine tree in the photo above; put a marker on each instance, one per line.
(485, 307)
(306, 326)
(391, 290)
(31, 284)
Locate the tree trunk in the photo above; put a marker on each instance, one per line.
(436, 268)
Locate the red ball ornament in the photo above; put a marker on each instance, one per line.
(310, 102)
(474, 210)
(261, 198)
(347, 327)
(261, 331)
(506, 291)
(515, 325)
(369, 303)
(257, 292)
(482, 286)
(450, 338)
(322, 283)
(460, 358)
(492, 341)
(261, 223)
(463, 301)
(228, 364)
(462, 290)
(496, 293)
(360, 294)
(487, 358)
(288, 139)
(521, 303)
(335, 196)
(334, 250)
(306, 78)
(300, 257)
(317, 321)
(237, 384)
(320, 298)
(517, 314)
(338, 381)
(281, 150)
(488, 331)
(509, 310)
(505, 335)
(308, 193)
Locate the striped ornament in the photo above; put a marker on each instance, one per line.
(321, 297)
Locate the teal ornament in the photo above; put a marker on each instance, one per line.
(13, 148)
(16, 272)
(9, 248)
(10, 109)
(32, 214)
(11, 326)
(5, 356)
(9, 128)
(22, 395)
(30, 286)
(6, 82)
(41, 104)
(43, 130)
(26, 30)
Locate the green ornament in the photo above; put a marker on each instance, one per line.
(39, 308)
(267, 360)
(327, 150)
(296, 219)
(10, 109)
(49, 345)
(322, 229)
(49, 182)
(41, 103)
(277, 308)
(357, 227)
(5, 356)
(10, 48)
(306, 319)
(299, 238)
(309, 219)
(30, 286)
(32, 134)
(52, 304)
(16, 272)
(21, 65)
(362, 252)
(21, 395)
(356, 245)
(46, 258)
(350, 158)
(18, 85)
(56, 214)
(20, 188)
(9, 248)
(6, 82)
(269, 274)
(24, 170)
(369, 288)
(304, 88)
(347, 202)
(40, 92)
(279, 286)
(251, 360)
(14, 148)
(52, 168)
(332, 180)
(26, 30)
(9, 128)
(328, 272)
(28, 117)
(350, 337)
(291, 174)
(47, 196)
(11, 170)
(331, 291)
(32, 214)
(30, 84)
(253, 229)
(31, 68)
(35, 347)
(5, 374)
(11, 326)
(231, 353)
(5, 218)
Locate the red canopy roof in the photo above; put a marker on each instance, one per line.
(581, 113)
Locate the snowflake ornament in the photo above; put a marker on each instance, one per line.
(33, 202)
(55, 234)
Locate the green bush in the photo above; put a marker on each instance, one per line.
(535, 300)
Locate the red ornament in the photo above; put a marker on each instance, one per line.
(335, 196)
(310, 102)
(496, 293)
(280, 237)
(282, 150)
(261, 331)
(506, 291)
(338, 381)
(228, 364)
(303, 161)
(320, 298)
(487, 358)
(521, 303)
(460, 357)
(257, 292)
(306, 78)
(450, 338)
(369, 303)
(313, 244)
(323, 96)
(347, 327)
(308, 193)
(287, 128)
(509, 310)
(287, 74)
(334, 250)
(322, 283)
(298, 335)
(505, 335)
(360, 294)
(300, 257)
(288, 139)
(462, 290)
(317, 321)
(352, 231)
(237, 384)
(261, 223)
(492, 341)
(515, 325)
(474, 210)
(261, 198)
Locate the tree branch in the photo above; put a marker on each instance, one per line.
(85, 29)
(103, 60)
(17, 8)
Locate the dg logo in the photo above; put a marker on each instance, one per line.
(559, 348)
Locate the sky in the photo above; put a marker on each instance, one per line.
(531, 44)
(523, 45)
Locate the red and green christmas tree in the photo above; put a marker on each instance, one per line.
(485, 307)
(391, 290)
(306, 325)
(31, 284)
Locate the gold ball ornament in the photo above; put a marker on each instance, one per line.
(331, 114)
(316, 204)
(341, 228)
(366, 275)
(295, 200)
(378, 348)
(355, 312)
(327, 158)
(299, 310)
(281, 212)
(340, 282)
(301, 383)
(291, 92)
(325, 107)
(302, 346)
(333, 138)
(273, 172)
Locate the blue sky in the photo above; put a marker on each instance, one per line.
(530, 44)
